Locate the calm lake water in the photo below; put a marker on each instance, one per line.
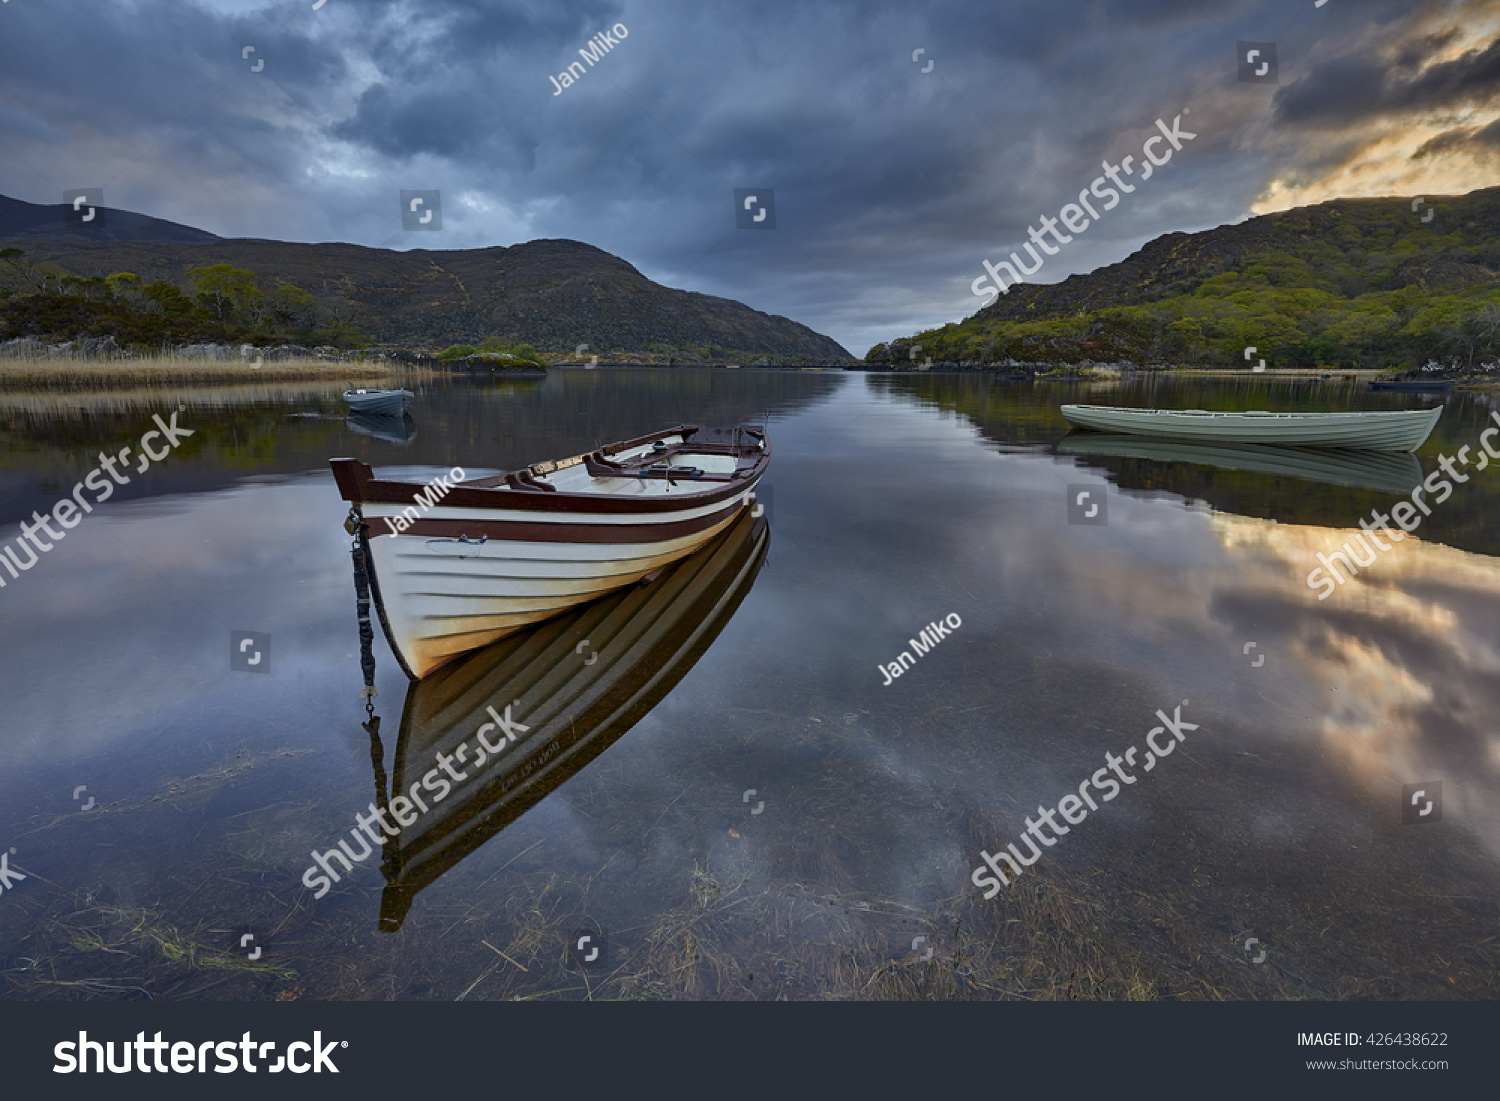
(737, 804)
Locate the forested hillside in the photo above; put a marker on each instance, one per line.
(1349, 283)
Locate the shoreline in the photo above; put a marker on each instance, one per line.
(39, 374)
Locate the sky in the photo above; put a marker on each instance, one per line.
(899, 144)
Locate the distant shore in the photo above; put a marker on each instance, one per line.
(40, 373)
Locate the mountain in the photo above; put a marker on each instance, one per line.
(21, 220)
(1350, 282)
(553, 294)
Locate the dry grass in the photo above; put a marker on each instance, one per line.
(34, 373)
(65, 405)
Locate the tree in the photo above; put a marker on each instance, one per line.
(124, 284)
(1473, 332)
(167, 298)
(223, 286)
(23, 272)
(292, 305)
(341, 329)
(1357, 339)
(1487, 323)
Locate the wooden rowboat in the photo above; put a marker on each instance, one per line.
(577, 683)
(383, 403)
(1367, 430)
(453, 569)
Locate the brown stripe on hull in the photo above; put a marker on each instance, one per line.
(357, 482)
(530, 531)
(462, 496)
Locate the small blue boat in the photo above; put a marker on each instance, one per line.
(381, 403)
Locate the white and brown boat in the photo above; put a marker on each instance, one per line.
(494, 555)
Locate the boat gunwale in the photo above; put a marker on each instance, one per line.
(358, 484)
(1260, 414)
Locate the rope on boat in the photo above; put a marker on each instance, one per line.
(356, 526)
(360, 551)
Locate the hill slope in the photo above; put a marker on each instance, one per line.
(20, 220)
(1351, 282)
(554, 294)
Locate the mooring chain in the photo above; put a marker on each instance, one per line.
(359, 550)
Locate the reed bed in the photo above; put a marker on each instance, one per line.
(48, 373)
(54, 404)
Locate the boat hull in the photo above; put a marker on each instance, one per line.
(490, 560)
(441, 598)
(380, 403)
(1370, 430)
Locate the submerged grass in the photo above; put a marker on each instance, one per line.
(117, 951)
(1049, 940)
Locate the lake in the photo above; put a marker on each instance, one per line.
(739, 800)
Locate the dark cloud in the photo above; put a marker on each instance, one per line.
(1349, 88)
(1467, 81)
(1446, 142)
(1414, 54)
(1466, 139)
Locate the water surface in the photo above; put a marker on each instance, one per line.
(895, 501)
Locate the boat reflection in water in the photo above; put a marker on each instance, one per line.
(577, 682)
(385, 426)
(1383, 471)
